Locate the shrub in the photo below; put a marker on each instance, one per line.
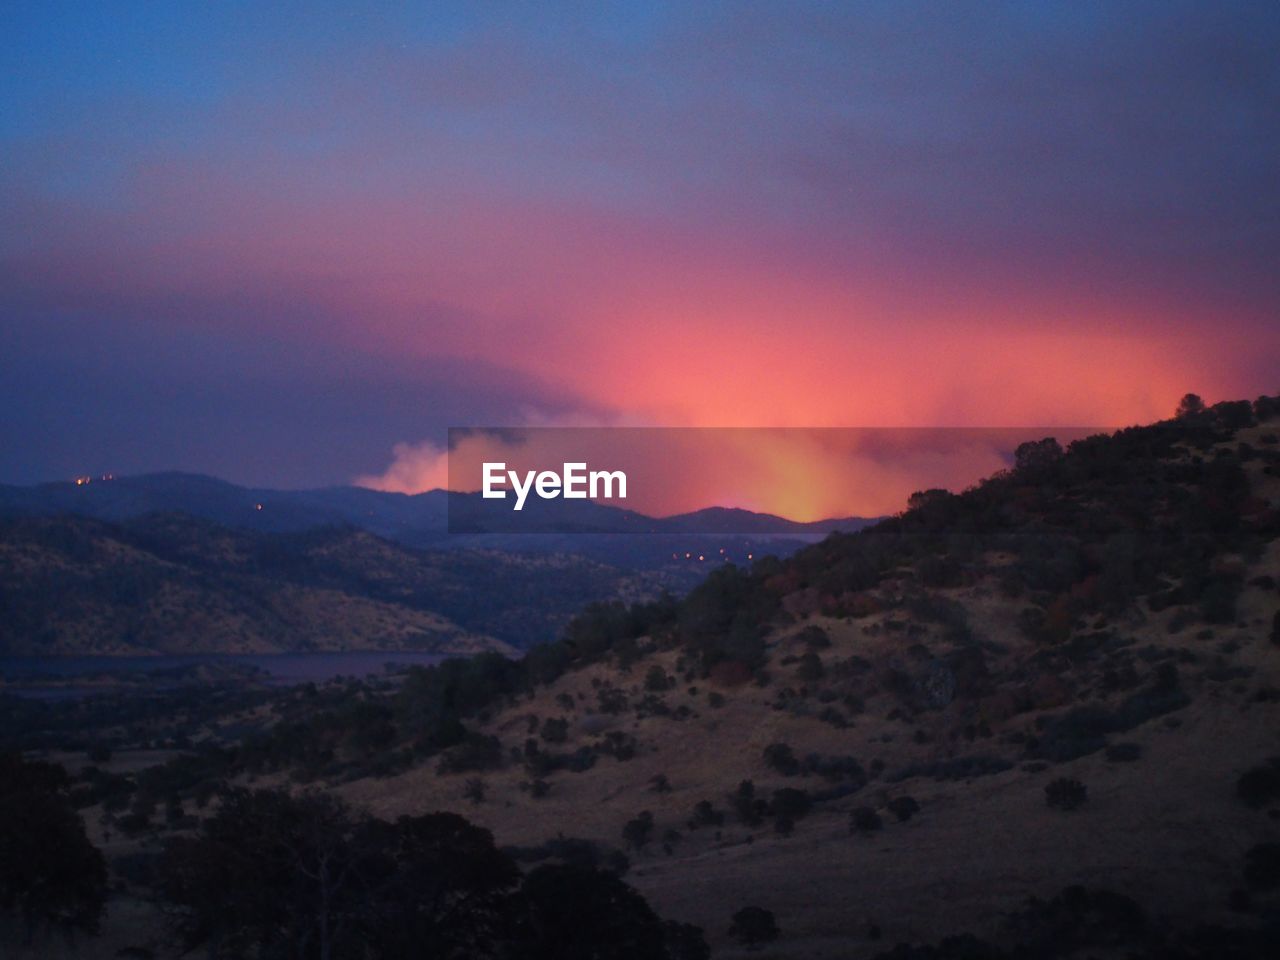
(746, 805)
(790, 803)
(1260, 785)
(705, 815)
(904, 808)
(752, 926)
(555, 730)
(814, 637)
(656, 680)
(781, 758)
(476, 752)
(715, 700)
(475, 790)
(1066, 794)
(659, 783)
(638, 831)
(810, 669)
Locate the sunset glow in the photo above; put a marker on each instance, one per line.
(298, 267)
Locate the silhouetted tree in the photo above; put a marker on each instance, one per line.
(1190, 406)
(581, 913)
(753, 926)
(51, 876)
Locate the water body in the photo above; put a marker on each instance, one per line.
(283, 669)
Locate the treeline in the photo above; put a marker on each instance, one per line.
(270, 874)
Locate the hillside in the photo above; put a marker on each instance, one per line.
(1109, 615)
(175, 584)
(1041, 715)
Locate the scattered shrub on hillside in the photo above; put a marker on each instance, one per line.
(864, 820)
(621, 746)
(1260, 785)
(637, 832)
(715, 700)
(780, 757)
(657, 681)
(659, 783)
(476, 752)
(752, 926)
(814, 637)
(1066, 794)
(904, 808)
(555, 730)
(790, 803)
(748, 808)
(810, 669)
(705, 815)
(475, 790)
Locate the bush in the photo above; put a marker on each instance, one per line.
(476, 752)
(637, 832)
(814, 637)
(904, 808)
(1261, 785)
(1066, 794)
(864, 820)
(790, 803)
(705, 815)
(810, 669)
(555, 730)
(781, 758)
(752, 926)
(475, 790)
(656, 680)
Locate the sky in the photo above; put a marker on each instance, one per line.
(289, 245)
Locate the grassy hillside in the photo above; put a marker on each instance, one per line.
(1107, 616)
(1043, 713)
(175, 584)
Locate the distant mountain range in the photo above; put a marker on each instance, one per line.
(419, 520)
(184, 563)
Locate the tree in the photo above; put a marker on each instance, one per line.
(1190, 406)
(1033, 458)
(656, 679)
(904, 808)
(270, 870)
(448, 891)
(574, 912)
(51, 876)
(1066, 794)
(636, 832)
(304, 876)
(753, 926)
